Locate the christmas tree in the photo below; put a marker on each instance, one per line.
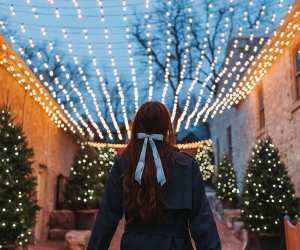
(227, 190)
(268, 192)
(18, 206)
(85, 185)
(205, 159)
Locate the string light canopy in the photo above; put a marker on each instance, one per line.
(93, 67)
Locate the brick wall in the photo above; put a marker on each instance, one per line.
(282, 120)
(54, 149)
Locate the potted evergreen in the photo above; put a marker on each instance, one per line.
(227, 190)
(17, 186)
(268, 196)
(85, 185)
(205, 160)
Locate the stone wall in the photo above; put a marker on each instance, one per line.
(282, 115)
(53, 148)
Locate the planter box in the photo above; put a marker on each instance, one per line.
(268, 242)
(85, 219)
(62, 219)
(264, 242)
(292, 234)
(251, 242)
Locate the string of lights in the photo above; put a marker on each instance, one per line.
(88, 88)
(195, 79)
(217, 104)
(64, 31)
(182, 146)
(51, 90)
(149, 49)
(57, 81)
(207, 107)
(264, 61)
(236, 79)
(130, 57)
(115, 68)
(209, 76)
(85, 34)
(185, 61)
(76, 91)
(11, 63)
(168, 52)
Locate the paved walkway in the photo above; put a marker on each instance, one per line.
(229, 242)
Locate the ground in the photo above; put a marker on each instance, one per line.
(229, 241)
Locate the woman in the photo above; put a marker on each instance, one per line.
(158, 189)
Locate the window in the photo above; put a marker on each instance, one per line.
(261, 107)
(229, 142)
(296, 89)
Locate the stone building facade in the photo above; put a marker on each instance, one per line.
(272, 108)
(53, 148)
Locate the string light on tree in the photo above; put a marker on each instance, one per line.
(268, 193)
(227, 190)
(18, 208)
(205, 160)
(88, 176)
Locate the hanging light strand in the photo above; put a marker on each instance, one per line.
(130, 56)
(114, 67)
(185, 61)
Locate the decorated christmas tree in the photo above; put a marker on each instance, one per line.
(205, 159)
(227, 190)
(18, 206)
(268, 192)
(85, 185)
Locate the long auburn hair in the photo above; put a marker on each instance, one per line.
(146, 202)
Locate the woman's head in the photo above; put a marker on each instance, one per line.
(153, 118)
(146, 202)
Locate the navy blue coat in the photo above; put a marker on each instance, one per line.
(188, 210)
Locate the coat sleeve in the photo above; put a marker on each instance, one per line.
(202, 224)
(110, 212)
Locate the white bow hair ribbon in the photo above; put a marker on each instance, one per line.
(160, 175)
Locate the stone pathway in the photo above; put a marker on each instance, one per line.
(229, 241)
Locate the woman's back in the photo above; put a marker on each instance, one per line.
(159, 190)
